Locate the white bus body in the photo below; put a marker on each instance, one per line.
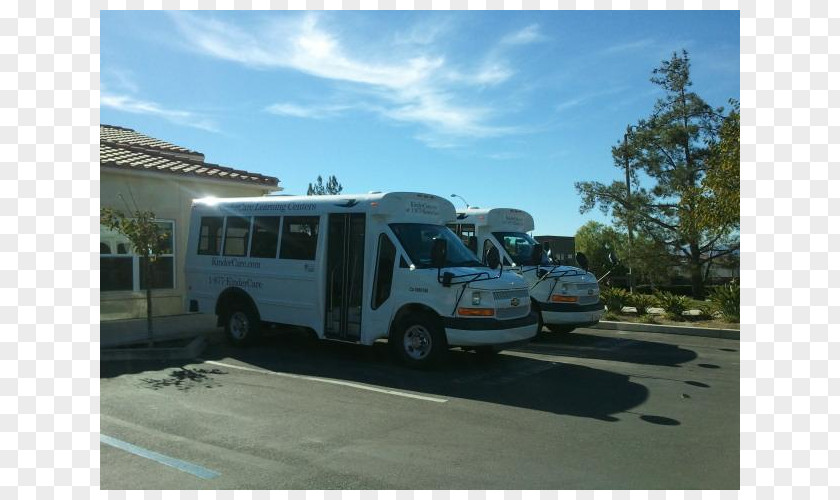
(354, 268)
(567, 297)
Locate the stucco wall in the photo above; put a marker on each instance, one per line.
(169, 197)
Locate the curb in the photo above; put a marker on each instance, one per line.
(716, 333)
(190, 351)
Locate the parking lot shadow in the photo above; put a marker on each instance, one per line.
(559, 388)
(591, 346)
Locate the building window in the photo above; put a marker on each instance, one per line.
(300, 238)
(121, 269)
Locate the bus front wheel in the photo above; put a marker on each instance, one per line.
(418, 341)
(560, 329)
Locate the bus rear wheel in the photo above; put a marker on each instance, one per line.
(418, 341)
(242, 325)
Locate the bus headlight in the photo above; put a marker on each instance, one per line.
(476, 298)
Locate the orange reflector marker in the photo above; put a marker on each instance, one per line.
(475, 311)
(563, 298)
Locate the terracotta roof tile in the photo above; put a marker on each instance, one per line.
(121, 135)
(125, 156)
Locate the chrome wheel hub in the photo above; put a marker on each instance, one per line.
(417, 342)
(238, 325)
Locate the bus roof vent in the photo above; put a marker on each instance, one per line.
(374, 192)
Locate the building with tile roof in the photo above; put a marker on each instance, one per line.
(145, 173)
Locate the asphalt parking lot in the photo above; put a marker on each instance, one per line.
(594, 409)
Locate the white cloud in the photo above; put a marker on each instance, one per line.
(129, 104)
(525, 36)
(299, 111)
(413, 86)
(628, 46)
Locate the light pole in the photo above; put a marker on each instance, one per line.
(462, 199)
(629, 221)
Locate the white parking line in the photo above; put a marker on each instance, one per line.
(189, 468)
(332, 381)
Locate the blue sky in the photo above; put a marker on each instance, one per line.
(504, 108)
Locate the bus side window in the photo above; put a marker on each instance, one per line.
(472, 244)
(264, 238)
(236, 236)
(384, 271)
(300, 238)
(209, 240)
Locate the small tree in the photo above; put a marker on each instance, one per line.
(148, 241)
(597, 241)
(332, 187)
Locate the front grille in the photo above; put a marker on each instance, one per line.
(512, 312)
(509, 294)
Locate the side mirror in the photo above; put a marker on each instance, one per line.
(536, 255)
(582, 261)
(546, 247)
(438, 252)
(492, 258)
(612, 258)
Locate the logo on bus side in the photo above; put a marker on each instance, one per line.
(422, 208)
(227, 281)
(418, 289)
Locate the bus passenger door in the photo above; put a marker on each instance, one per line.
(345, 275)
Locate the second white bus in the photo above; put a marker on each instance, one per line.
(566, 297)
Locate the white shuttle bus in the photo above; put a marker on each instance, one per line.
(566, 297)
(353, 268)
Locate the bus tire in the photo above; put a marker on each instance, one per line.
(418, 341)
(242, 324)
(488, 351)
(536, 307)
(560, 329)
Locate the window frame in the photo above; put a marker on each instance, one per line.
(287, 219)
(136, 259)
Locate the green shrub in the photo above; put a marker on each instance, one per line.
(610, 316)
(641, 302)
(727, 301)
(674, 305)
(648, 318)
(706, 311)
(614, 298)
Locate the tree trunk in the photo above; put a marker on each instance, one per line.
(696, 269)
(150, 335)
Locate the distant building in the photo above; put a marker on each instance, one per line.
(141, 172)
(562, 248)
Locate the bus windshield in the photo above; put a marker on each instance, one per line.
(417, 239)
(520, 247)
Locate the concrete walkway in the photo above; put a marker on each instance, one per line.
(133, 331)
